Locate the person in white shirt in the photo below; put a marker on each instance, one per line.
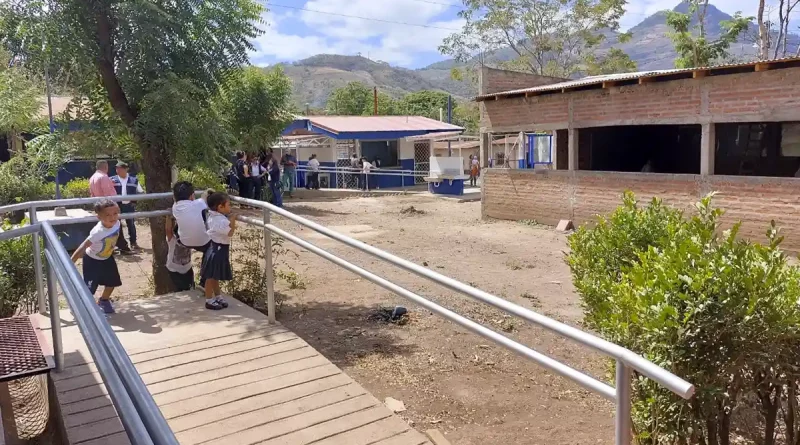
(126, 185)
(189, 220)
(257, 173)
(221, 226)
(366, 167)
(99, 265)
(313, 173)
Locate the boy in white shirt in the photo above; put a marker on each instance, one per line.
(190, 220)
(99, 265)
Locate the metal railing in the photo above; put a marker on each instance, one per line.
(143, 420)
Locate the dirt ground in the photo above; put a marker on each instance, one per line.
(448, 378)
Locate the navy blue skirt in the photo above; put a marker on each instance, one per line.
(218, 263)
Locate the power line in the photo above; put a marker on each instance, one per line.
(361, 18)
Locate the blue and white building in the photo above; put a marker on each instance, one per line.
(399, 142)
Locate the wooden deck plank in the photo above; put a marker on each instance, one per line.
(258, 401)
(411, 437)
(226, 378)
(332, 427)
(226, 427)
(219, 387)
(295, 428)
(368, 434)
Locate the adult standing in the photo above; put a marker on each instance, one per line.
(365, 169)
(100, 185)
(313, 175)
(355, 165)
(289, 172)
(257, 173)
(474, 170)
(127, 185)
(242, 169)
(275, 181)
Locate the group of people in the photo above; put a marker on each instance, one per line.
(250, 173)
(121, 184)
(364, 181)
(205, 225)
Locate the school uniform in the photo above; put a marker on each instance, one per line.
(190, 227)
(179, 265)
(99, 265)
(218, 261)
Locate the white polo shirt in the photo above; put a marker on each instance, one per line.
(191, 227)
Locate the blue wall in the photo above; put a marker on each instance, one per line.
(85, 169)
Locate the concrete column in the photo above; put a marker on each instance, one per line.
(574, 135)
(554, 151)
(483, 151)
(708, 145)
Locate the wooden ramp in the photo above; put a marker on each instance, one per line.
(223, 378)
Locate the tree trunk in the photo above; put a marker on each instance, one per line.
(770, 407)
(763, 47)
(158, 173)
(790, 415)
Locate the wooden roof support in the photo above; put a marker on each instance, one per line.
(763, 67)
(699, 74)
(610, 84)
(644, 80)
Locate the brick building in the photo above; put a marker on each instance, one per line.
(676, 134)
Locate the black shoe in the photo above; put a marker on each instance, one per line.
(214, 305)
(126, 251)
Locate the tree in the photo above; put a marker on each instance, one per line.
(255, 106)
(425, 103)
(763, 33)
(350, 100)
(358, 99)
(615, 61)
(158, 62)
(19, 104)
(692, 43)
(549, 37)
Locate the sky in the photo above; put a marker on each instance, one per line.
(386, 31)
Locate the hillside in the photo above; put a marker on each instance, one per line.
(314, 78)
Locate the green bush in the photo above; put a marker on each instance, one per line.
(719, 311)
(202, 178)
(18, 183)
(77, 188)
(17, 278)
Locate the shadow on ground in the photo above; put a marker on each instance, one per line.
(345, 333)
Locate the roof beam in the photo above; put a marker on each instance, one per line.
(610, 83)
(763, 67)
(699, 74)
(644, 80)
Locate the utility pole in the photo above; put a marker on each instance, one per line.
(449, 121)
(375, 99)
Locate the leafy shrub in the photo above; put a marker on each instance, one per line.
(202, 178)
(17, 278)
(716, 310)
(247, 258)
(77, 188)
(19, 183)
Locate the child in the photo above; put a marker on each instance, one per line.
(189, 214)
(221, 225)
(99, 265)
(179, 261)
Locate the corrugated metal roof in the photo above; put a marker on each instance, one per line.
(599, 80)
(344, 124)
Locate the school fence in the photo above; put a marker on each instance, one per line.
(143, 421)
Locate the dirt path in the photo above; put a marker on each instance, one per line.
(449, 378)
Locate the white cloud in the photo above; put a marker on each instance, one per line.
(391, 42)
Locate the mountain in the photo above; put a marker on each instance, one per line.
(314, 78)
(650, 47)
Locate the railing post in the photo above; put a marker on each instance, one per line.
(55, 317)
(623, 416)
(37, 264)
(271, 316)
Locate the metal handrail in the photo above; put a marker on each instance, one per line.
(105, 344)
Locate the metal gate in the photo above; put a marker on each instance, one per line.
(345, 179)
(422, 160)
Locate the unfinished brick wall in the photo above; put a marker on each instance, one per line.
(756, 96)
(548, 196)
(494, 80)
